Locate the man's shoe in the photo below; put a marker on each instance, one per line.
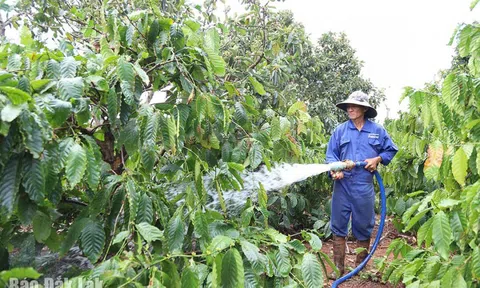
(362, 255)
(338, 256)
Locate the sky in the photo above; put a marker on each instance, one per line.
(402, 43)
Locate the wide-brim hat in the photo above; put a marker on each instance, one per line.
(361, 99)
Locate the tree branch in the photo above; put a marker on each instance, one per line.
(82, 23)
(158, 65)
(87, 131)
(257, 62)
(91, 131)
(73, 201)
(135, 26)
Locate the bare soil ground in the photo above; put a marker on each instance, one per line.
(369, 276)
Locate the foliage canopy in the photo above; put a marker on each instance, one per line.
(86, 160)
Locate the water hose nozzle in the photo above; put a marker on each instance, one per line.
(345, 165)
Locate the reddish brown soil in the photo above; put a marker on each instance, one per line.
(369, 276)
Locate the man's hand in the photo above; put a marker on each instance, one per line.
(336, 175)
(372, 163)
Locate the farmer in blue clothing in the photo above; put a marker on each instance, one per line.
(358, 139)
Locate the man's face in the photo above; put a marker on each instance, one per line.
(356, 111)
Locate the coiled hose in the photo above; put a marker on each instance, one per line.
(383, 214)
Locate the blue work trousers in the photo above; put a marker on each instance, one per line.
(355, 200)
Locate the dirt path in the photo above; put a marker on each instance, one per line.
(365, 279)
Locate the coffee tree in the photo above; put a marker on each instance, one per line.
(87, 160)
(436, 176)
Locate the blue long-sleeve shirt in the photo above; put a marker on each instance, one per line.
(348, 143)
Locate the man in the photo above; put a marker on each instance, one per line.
(358, 139)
